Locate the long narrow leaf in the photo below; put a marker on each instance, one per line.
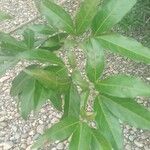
(108, 124)
(59, 131)
(81, 138)
(85, 15)
(110, 14)
(128, 111)
(99, 142)
(95, 59)
(57, 16)
(72, 103)
(123, 86)
(125, 46)
(29, 38)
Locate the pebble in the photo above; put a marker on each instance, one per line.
(14, 128)
(54, 120)
(4, 78)
(147, 147)
(60, 146)
(36, 136)
(29, 147)
(7, 145)
(31, 132)
(131, 138)
(2, 119)
(148, 78)
(40, 122)
(128, 147)
(40, 129)
(137, 143)
(17, 136)
(24, 146)
(29, 140)
(3, 125)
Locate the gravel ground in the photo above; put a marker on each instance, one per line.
(17, 134)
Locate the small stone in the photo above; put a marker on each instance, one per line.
(44, 116)
(29, 140)
(36, 136)
(40, 122)
(40, 129)
(148, 78)
(60, 146)
(24, 135)
(53, 120)
(4, 78)
(24, 146)
(128, 127)
(3, 124)
(131, 138)
(138, 144)
(16, 148)
(2, 134)
(128, 147)
(14, 128)
(54, 148)
(7, 145)
(17, 136)
(31, 133)
(146, 135)
(2, 119)
(2, 113)
(146, 148)
(134, 129)
(29, 147)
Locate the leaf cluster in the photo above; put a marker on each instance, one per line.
(50, 78)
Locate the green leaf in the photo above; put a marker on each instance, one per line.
(84, 98)
(42, 29)
(4, 66)
(95, 59)
(55, 42)
(43, 94)
(123, 86)
(18, 83)
(108, 124)
(99, 142)
(128, 111)
(110, 14)
(81, 138)
(27, 98)
(4, 58)
(29, 38)
(125, 46)
(38, 96)
(59, 131)
(78, 79)
(53, 77)
(10, 46)
(42, 56)
(4, 16)
(72, 103)
(85, 15)
(57, 16)
(55, 98)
